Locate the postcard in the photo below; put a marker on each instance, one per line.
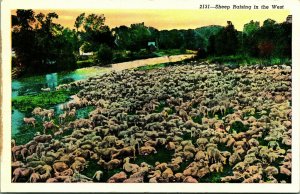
(150, 96)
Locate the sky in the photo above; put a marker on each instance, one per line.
(172, 19)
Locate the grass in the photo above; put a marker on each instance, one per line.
(84, 112)
(92, 167)
(85, 63)
(198, 119)
(124, 55)
(44, 100)
(187, 136)
(215, 177)
(222, 147)
(183, 165)
(238, 127)
(163, 52)
(256, 115)
(27, 132)
(235, 61)
(162, 155)
(162, 65)
(150, 67)
(161, 106)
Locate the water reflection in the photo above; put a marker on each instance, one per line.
(51, 80)
(17, 121)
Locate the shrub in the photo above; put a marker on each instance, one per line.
(201, 53)
(104, 54)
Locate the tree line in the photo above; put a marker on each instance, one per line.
(41, 45)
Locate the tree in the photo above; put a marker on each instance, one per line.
(140, 36)
(94, 22)
(266, 49)
(123, 38)
(211, 48)
(40, 44)
(226, 41)
(104, 55)
(135, 37)
(25, 19)
(203, 35)
(96, 32)
(248, 38)
(23, 36)
(284, 40)
(250, 28)
(173, 39)
(79, 21)
(190, 39)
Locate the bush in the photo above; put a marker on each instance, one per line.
(104, 55)
(201, 53)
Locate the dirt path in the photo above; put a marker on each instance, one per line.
(151, 61)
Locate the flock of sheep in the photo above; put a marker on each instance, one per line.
(208, 116)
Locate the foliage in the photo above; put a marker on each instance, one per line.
(104, 55)
(268, 41)
(204, 33)
(79, 21)
(43, 100)
(95, 32)
(40, 44)
(135, 37)
(225, 42)
(250, 28)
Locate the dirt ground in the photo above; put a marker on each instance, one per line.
(151, 61)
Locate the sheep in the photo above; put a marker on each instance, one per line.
(45, 89)
(60, 166)
(30, 120)
(190, 179)
(119, 177)
(62, 117)
(49, 125)
(146, 150)
(98, 174)
(21, 172)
